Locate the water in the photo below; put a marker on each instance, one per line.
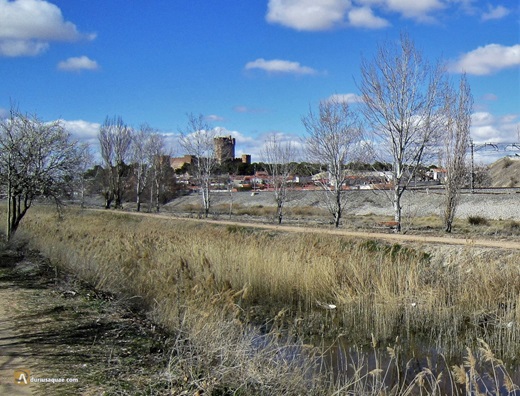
(402, 365)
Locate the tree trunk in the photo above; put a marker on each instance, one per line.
(205, 199)
(137, 190)
(17, 213)
(397, 207)
(108, 199)
(337, 215)
(157, 194)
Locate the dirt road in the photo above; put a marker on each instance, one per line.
(391, 237)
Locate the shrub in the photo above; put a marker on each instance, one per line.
(507, 163)
(477, 220)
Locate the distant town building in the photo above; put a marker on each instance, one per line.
(179, 162)
(246, 158)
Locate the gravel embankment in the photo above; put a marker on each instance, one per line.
(504, 205)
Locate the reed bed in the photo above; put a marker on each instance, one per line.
(196, 278)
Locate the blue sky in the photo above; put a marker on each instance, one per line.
(251, 67)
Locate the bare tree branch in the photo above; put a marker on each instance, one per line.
(198, 140)
(114, 139)
(403, 107)
(279, 157)
(456, 143)
(37, 160)
(333, 138)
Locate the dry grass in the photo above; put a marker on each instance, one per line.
(217, 285)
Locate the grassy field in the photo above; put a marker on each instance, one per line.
(222, 289)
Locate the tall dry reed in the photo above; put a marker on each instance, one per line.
(276, 280)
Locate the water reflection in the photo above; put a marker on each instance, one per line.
(415, 367)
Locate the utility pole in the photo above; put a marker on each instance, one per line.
(472, 146)
(9, 209)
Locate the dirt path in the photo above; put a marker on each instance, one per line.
(14, 354)
(12, 351)
(58, 329)
(487, 243)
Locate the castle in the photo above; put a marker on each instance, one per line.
(224, 147)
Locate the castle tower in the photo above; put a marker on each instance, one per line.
(224, 149)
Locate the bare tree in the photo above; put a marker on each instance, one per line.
(403, 107)
(114, 139)
(198, 140)
(85, 163)
(140, 158)
(333, 138)
(279, 157)
(456, 143)
(159, 161)
(37, 160)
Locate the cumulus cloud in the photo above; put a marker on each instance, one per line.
(82, 130)
(415, 9)
(14, 48)
(214, 118)
(307, 14)
(345, 98)
(78, 64)
(27, 27)
(488, 128)
(365, 18)
(488, 59)
(311, 15)
(497, 12)
(279, 66)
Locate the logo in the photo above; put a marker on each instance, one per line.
(22, 377)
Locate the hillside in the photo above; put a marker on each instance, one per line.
(505, 172)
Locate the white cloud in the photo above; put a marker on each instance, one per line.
(482, 118)
(82, 130)
(490, 97)
(415, 9)
(488, 128)
(307, 14)
(214, 118)
(4, 113)
(364, 17)
(279, 66)
(14, 48)
(27, 27)
(497, 12)
(250, 110)
(78, 64)
(312, 15)
(256, 146)
(346, 98)
(488, 59)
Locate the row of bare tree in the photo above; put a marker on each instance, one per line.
(411, 112)
(145, 149)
